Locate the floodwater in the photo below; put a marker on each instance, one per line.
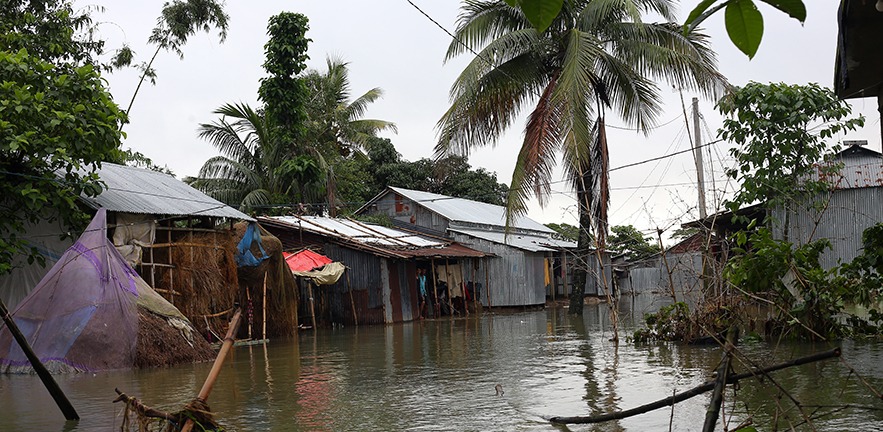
(439, 375)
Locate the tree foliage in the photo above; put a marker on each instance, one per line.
(178, 20)
(626, 239)
(362, 177)
(781, 134)
(256, 171)
(57, 120)
(743, 21)
(567, 231)
(594, 56)
(283, 92)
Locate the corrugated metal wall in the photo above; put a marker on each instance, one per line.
(848, 214)
(515, 277)
(686, 269)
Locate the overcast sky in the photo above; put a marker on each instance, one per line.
(391, 45)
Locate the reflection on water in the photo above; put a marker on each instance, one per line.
(440, 375)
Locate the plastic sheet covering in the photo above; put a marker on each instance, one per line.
(82, 316)
(244, 256)
(46, 238)
(305, 260)
(327, 275)
(132, 232)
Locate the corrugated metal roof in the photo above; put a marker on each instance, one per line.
(136, 190)
(520, 241)
(468, 211)
(378, 238)
(861, 168)
(362, 232)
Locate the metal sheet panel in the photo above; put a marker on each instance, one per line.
(525, 242)
(468, 211)
(843, 220)
(143, 191)
(361, 232)
(513, 277)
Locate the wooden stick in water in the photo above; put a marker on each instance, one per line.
(219, 362)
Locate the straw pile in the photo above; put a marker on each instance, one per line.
(281, 289)
(203, 284)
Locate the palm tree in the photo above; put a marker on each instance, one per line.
(335, 122)
(254, 170)
(335, 126)
(597, 55)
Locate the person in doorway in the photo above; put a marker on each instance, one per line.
(421, 285)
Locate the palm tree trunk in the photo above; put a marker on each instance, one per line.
(584, 244)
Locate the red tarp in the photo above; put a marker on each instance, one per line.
(305, 260)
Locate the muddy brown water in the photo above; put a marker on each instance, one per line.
(440, 375)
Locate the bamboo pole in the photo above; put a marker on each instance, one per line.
(312, 304)
(695, 391)
(435, 305)
(487, 283)
(475, 292)
(349, 288)
(250, 309)
(448, 285)
(216, 367)
(717, 397)
(57, 394)
(264, 308)
(463, 287)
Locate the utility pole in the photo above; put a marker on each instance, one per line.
(697, 154)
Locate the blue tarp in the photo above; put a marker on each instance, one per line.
(244, 257)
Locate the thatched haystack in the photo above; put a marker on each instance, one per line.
(203, 284)
(281, 289)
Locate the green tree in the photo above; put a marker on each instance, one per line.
(743, 21)
(567, 231)
(177, 22)
(336, 129)
(283, 92)
(334, 122)
(594, 56)
(256, 170)
(58, 122)
(626, 239)
(780, 132)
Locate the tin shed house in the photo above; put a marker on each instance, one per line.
(524, 270)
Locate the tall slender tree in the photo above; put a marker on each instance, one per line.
(335, 128)
(255, 169)
(595, 56)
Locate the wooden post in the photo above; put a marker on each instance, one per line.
(717, 397)
(564, 272)
(448, 284)
(312, 304)
(264, 309)
(216, 367)
(171, 266)
(487, 284)
(553, 277)
(249, 307)
(463, 287)
(352, 300)
(435, 305)
(475, 291)
(60, 399)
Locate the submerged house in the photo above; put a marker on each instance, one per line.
(524, 258)
(854, 203)
(179, 240)
(380, 282)
(677, 272)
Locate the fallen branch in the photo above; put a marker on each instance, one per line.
(695, 391)
(142, 409)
